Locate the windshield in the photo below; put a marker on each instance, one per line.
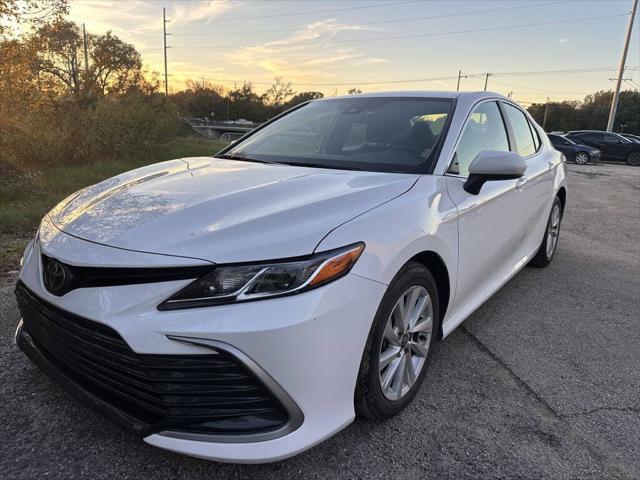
(375, 134)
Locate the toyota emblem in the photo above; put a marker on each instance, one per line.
(55, 277)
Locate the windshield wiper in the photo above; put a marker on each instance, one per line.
(234, 156)
(327, 166)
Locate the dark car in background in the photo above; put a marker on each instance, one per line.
(573, 151)
(633, 138)
(612, 146)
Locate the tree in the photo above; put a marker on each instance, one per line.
(592, 113)
(201, 99)
(114, 66)
(14, 13)
(354, 90)
(245, 103)
(278, 93)
(59, 54)
(301, 98)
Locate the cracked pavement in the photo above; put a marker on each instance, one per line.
(543, 381)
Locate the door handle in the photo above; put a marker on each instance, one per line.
(521, 182)
(550, 165)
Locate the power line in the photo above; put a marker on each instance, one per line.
(344, 84)
(540, 90)
(417, 80)
(380, 22)
(547, 72)
(312, 12)
(422, 35)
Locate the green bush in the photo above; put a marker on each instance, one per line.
(130, 126)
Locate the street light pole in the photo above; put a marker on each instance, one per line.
(623, 59)
(164, 44)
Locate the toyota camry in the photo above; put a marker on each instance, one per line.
(246, 306)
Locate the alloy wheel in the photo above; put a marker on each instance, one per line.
(553, 230)
(405, 343)
(582, 158)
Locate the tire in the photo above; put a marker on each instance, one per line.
(372, 399)
(634, 159)
(582, 158)
(549, 245)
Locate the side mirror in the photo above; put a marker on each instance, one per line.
(493, 165)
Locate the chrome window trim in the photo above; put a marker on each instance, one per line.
(296, 417)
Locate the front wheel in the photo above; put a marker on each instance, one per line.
(634, 159)
(582, 158)
(400, 344)
(549, 244)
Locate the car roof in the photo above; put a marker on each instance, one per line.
(474, 96)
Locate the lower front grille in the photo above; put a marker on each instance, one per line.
(192, 393)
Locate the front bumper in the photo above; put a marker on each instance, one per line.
(307, 349)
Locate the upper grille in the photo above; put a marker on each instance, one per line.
(83, 277)
(195, 393)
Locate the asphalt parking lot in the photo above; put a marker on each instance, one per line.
(543, 381)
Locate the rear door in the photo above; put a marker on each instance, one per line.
(536, 186)
(491, 224)
(615, 146)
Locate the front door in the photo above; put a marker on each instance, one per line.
(492, 224)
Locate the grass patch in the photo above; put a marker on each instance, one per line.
(25, 198)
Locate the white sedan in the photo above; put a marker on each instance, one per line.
(246, 306)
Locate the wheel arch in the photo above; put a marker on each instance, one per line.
(562, 194)
(434, 263)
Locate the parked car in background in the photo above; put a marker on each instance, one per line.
(575, 152)
(612, 146)
(633, 138)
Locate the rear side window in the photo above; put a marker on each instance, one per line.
(591, 136)
(534, 133)
(484, 131)
(608, 137)
(524, 143)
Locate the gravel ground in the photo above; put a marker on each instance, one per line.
(543, 381)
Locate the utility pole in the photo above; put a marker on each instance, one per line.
(84, 45)
(459, 77)
(86, 59)
(546, 112)
(164, 44)
(486, 81)
(623, 59)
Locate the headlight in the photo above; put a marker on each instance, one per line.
(29, 248)
(238, 283)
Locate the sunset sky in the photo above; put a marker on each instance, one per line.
(332, 46)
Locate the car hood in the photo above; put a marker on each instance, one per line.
(223, 210)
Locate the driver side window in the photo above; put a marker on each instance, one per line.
(484, 130)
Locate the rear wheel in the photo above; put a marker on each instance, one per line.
(400, 344)
(581, 158)
(549, 244)
(634, 159)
